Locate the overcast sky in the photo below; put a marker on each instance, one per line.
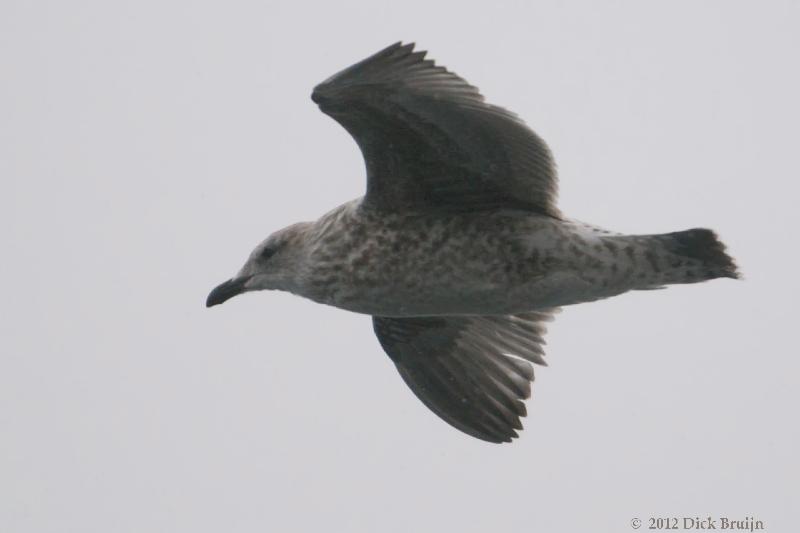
(146, 147)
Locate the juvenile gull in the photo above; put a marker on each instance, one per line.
(457, 250)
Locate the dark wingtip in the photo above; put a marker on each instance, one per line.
(321, 95)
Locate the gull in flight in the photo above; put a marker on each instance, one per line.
(457, 250)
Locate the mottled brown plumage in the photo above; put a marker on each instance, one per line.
(458, 250)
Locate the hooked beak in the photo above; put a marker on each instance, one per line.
(226, 291)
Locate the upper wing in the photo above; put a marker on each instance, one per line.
(472, 371)
(430, 142)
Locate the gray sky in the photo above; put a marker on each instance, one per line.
(146, 147)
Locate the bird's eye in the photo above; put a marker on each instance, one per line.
(266, 253)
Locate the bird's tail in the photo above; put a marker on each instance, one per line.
(700, 255)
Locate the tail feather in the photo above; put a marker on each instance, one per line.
(705, 252)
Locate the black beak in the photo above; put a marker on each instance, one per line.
(226, 291)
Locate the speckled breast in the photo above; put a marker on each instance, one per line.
(419, 264)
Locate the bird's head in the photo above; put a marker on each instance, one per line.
(274, 264)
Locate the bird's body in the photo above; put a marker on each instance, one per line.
(499, 263)
(458, 250)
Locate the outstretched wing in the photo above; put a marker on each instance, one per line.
(472, 371)
(430, 142)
